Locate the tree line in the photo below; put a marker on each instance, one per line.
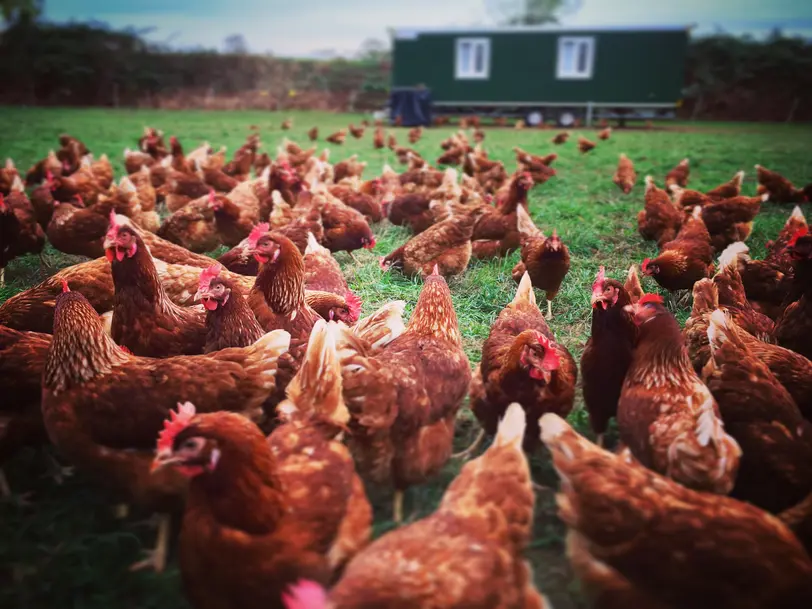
(727, 78)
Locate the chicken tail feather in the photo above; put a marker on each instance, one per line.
(524, 293)
(511, 427)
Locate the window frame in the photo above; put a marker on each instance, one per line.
(459, 73)
(561, 73)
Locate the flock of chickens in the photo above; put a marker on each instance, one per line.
(249, 394)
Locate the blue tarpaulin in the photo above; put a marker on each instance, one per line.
(412, 105)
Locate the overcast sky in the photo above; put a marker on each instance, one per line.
(304, 27)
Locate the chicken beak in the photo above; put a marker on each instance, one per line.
(161, 460)
(598, 299)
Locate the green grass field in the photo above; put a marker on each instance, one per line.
(61, 546)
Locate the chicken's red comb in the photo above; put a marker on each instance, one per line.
(208, 274)
(550, 361)
(353, 305)
(257, 232)
(177, 422)
(599, 280)
(647, 298)
(305, 594)
(65, 287)
(801, 232)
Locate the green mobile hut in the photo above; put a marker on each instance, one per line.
(549, 73)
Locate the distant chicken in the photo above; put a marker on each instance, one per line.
(780, 189)
(287, 124)
(666, 416)
(378, 142)
(323, 274)
(584, 145)
(608, 351)
(40, 170)
(684, 260)
(625, 177)
(522, 362)
(452, 559)
(731, 220)
(679, 175)
(729, 189)
(356, 132)
(638, 539)
(445, 246)
(660, 219)
(605, 134)
(193, 226)
(561, 138)
(546, 259)
(19, 232)
(497, 233)
(391, 141)
(338, 137)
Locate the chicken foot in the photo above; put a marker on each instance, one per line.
(398, 507)
(156, 558)
(470, 450)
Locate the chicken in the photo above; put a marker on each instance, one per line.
(144, 319)
(40, 171)
(7, 175)
(584, 145)
(103, 407)
(136, 160)
(147, 196)
(262, 162)
(338, 137)
(608, 351)
(322, 273)
(348, 168)
(276, 529)
(82, 183)
(521, 362)
(404, 434)
(415, 134)
(496, 233)
(378, 142)
(546, 259)
(793, 330)
(102, 170)
(125, 200)
(561, 138)
(181, 189)
(278, 295)
(468, 553)
(19, 232)
(605, 134)
(625, 177)
(761, 415)
(638, 539)
(660, 220)
(527, 158)
(217, 179)
(705, 301)
(666, 416)
(733, 299)
(729, 189)
(313, 134)
(685, 260)
(22, 361)
(413, 210)
(152, 143)
(193, 226)
(356, 132)
(345, 229)
(731, 220)
(233, 221)
(445, 245)
(230, 322)
(679, 175)
(778, 188)
(33, 309)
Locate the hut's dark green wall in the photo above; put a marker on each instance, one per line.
(629, 67)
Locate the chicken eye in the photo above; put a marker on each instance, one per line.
(192, 444)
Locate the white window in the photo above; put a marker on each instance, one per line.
(473, 58)
(576, 57)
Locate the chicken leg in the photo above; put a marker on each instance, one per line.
(549, 309)
(398, 507)
(156, 558)
(470, 450)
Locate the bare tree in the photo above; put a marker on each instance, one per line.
(531, 12)
(235, 45)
